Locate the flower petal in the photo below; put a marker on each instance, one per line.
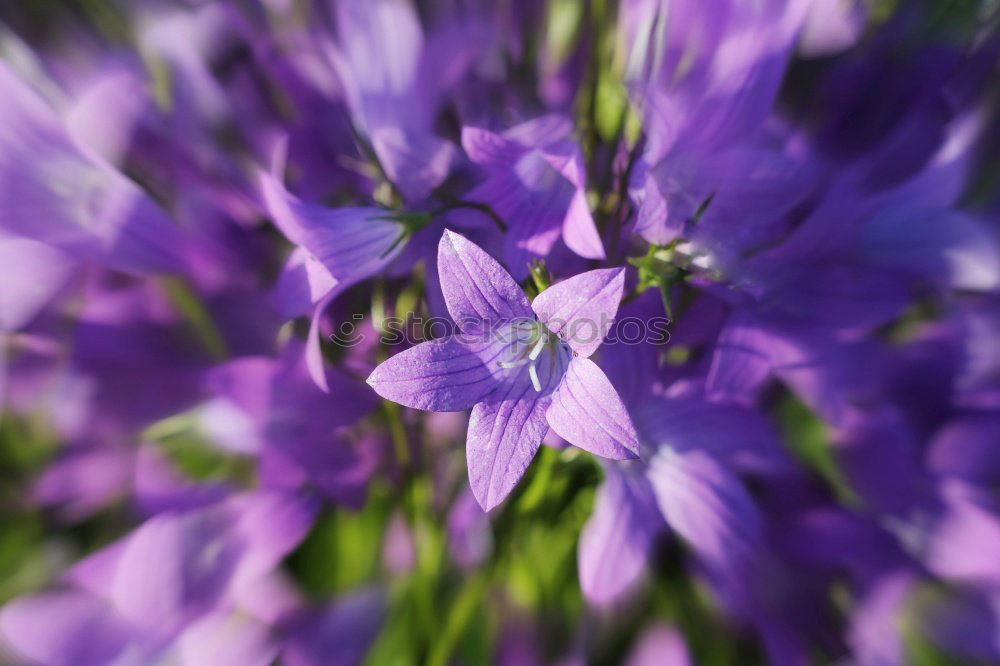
(582, 309)
(64, 629)
(443, 375)
(488, 148)
(195, 558)
(541, 131)
(735, 434)
(416, 163)
(302, 284)
(615, 541)
(225, 638)
(340, 633)
(505, 431)
(55, 192)
(587, 412)
(579, 231)
(660, 645)
(32, 273)
(710, 509)
(478, 291)
(351, 243)
(314, 347)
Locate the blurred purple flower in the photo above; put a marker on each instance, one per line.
(535, 182)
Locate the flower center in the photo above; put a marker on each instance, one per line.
(528, 340)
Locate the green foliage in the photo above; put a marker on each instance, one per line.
(806, 435)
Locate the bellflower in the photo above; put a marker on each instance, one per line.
(336, 248)
(521, 367)
(58, 192)
(535, 183)
(395, 77)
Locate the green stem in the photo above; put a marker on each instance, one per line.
(462, 611)
(184, 298)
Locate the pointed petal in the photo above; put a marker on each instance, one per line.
(710, 509)
(314, 348)
(579, 231)
(415, 163)
(267, 525)
(587, 412)
(582, 309)
(195, 558)
(32, 274)
(54, 192)
(653, 220)
(741, 362)
(615, 541)
(478, 291)
(532, 200)
(534, 215)
(107, 114)
(351, 243)
(505, 431)
(302, 284)
(953, 247)
(443, 375)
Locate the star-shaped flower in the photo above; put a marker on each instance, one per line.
(522, 367)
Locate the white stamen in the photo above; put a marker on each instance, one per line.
(533, 373)
(539, 346)
(506, 365)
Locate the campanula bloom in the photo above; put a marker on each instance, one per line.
(59, 192)
(535, 182)
(522, 367)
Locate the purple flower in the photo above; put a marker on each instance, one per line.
(337, 248)
(63, 194)
(395, 77)
(521, 367)
(660, 645)
(535, 183)
(184, 584)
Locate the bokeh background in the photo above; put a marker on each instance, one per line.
(176, 488)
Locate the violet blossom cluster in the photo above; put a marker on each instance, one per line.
(718, 376)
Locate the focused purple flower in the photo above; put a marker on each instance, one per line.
(521, 367)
